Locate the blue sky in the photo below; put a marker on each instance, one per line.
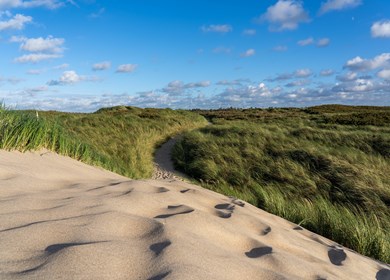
(81, 55)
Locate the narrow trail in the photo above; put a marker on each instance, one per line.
(163, 164)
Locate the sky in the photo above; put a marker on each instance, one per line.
(82, 55)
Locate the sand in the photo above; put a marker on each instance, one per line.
(61, 219)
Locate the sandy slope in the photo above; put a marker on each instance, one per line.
(61, 219)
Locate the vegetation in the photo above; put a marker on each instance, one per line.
(121, 139)
(302, 165)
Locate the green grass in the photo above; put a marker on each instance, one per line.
(332, 179)
(121, 139)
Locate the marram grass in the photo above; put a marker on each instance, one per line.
(332, 179)
(120, 139)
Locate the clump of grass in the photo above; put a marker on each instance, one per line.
(332, 179)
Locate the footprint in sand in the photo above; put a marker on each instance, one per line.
(161, 190)
(160, 276)
(55, 248)
(266, 231)
(175, 210)
(158, 248)
(235, 201)
(383, 274)
(224, 210)
(259, 252)
(337, 256)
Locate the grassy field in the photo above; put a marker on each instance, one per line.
(307, 166)
(121, 139)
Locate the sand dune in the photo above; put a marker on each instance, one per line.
(61, 219)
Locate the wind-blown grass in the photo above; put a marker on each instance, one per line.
(332, 179)
(121, 139)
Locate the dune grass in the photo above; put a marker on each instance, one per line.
(120, 139)
(332, 179)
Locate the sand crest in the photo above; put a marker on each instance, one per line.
(61, 219)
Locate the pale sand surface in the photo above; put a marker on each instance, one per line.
(61, 219)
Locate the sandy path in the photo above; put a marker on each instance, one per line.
(61, 219)
(163, 164)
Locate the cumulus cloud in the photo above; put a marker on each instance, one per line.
(11, 80)
(298, 83)
(306, 42)
(361, 64)
(50, 4)
(326, 72)
(303, 73)
(221, 49)
(248, 53)
(337, 5)
(178, 87)
(61, 66)
(297, 74)
(381, 29)
(40, 48)
(351, 76)
(285, 15)
(126, 68)
(324, 42)
(36, 57)
(280, 48)
(384, 74)
(101, 66)
(218, 28)
(249, 32)
(16, 22)
(35, 71)
(48, 45)
(70, 78)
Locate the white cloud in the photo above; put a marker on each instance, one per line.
(126, 68)
(35, 71)
(360, 64)
(280, 48)
(326, 72)
(11, 80)
(248, 53)
(303, 73)
(306, 42)
(337, 5)
(249, 32)
(17, 39)
(50, 4)
(101, 66)
(98, 14)
(384, 74)
(298, 83)
(16, 22)
(381, 29)
(222, 50)
(61, 66)
(285, 15)
(297, 74)
(70, 78)
(48, 45)
(178, 87)
(36, 57)
(218, 28)
(324, 42)
(350, 76)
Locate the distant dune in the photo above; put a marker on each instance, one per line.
(62, 219)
